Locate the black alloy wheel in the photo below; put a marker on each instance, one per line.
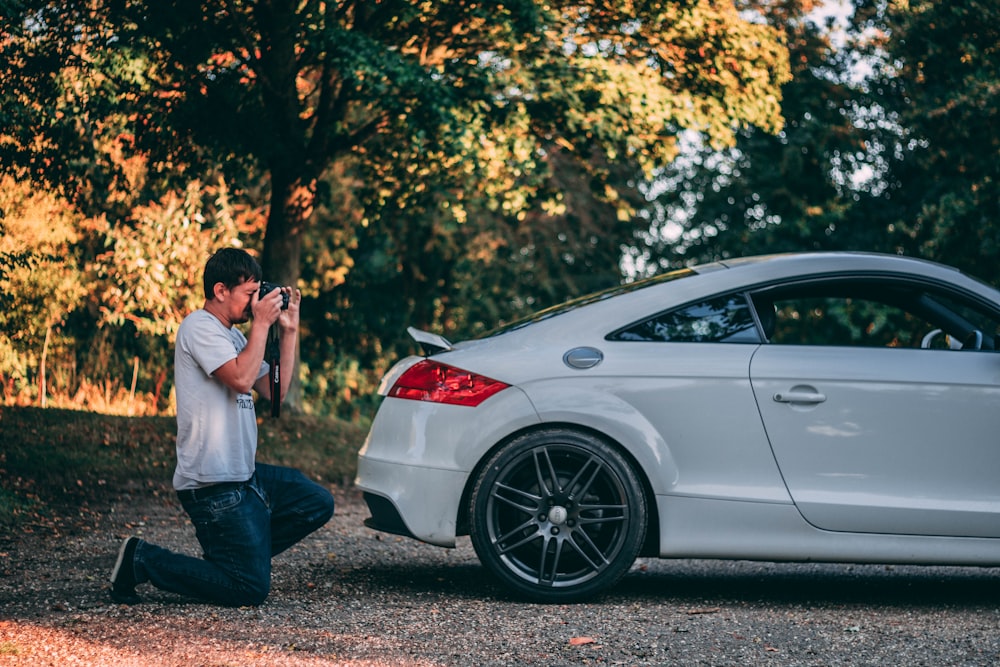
(558, 515)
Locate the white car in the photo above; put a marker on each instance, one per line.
(836, 407)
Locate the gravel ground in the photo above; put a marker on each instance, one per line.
(351, 596)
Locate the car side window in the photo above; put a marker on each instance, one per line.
(874, 313)
(724, 319)
(845, 321)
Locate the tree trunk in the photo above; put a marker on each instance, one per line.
(292, 201)
(42, 389)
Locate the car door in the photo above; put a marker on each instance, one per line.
(876, 435)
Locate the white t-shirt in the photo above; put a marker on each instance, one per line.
(216, 426)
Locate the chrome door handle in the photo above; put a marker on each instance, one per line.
(799, 397)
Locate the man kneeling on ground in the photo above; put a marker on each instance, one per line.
(244, 512)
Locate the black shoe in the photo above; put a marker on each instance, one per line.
(123, 575)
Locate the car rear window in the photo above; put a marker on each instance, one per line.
(588, 299)
(723, 319)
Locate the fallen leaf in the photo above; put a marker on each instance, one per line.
(580, 641)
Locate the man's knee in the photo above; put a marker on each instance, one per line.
(321, 507)
(252, 594)
(327, 505)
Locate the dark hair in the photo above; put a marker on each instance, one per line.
(231, 267)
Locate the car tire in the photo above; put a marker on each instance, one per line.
(558, 515)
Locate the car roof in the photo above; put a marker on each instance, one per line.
(675, 288)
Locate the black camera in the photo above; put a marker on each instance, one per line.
(266, 288)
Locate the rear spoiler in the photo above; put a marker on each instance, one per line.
(429, 342)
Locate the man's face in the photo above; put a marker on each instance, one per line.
(241, 296)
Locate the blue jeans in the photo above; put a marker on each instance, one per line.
(240, 529)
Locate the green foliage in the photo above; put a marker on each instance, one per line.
(770, 193)
(940, 81)
(295, 88)
(41, 280)
(444, 164)
(151, 273)
(10, 262)
(337, 385)
(904, 159)
(59, 118)
(526, 197)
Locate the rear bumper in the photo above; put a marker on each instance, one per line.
(409, 500)
(384, 516)
(418, 457)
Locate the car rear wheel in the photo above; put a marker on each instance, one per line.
(558, 515)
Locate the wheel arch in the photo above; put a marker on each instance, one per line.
(651, 543)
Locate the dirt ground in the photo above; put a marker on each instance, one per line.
(351, 596)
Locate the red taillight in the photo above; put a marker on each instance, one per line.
(439, 383)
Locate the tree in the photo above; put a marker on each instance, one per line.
(772, 192)
(289, 88)
(40, 280)
(446, 111)
(938, 81)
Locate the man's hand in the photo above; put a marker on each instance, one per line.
(288, 319)
(266, 311)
